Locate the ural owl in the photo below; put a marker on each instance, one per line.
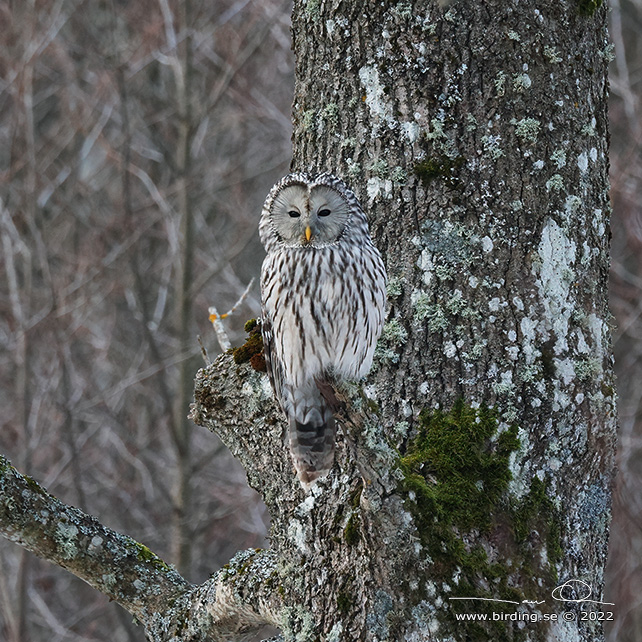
(323, 291)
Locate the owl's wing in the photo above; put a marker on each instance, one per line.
(272, 364)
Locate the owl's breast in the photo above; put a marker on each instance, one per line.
(324, 309)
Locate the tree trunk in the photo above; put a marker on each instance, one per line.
(476, 137)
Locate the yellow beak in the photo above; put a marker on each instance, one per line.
(308, 233)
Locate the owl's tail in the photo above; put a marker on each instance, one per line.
(311, 432)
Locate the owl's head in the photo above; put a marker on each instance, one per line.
(309, 211)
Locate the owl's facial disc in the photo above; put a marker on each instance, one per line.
(317, 218)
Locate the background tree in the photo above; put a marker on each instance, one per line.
(119, 425)
(624, 572)
(112, 116)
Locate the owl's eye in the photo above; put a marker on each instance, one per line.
(294, 214)
(324, 212)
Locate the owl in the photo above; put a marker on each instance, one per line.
(323, 297)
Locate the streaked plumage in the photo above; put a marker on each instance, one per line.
(323, 299)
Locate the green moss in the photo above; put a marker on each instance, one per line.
(344, 602)
(588, 7)
(456, 478)
(607, 391)
(352, 531)
(34, 485)
(147, 556)
(455, 449)
(252, 349)
(440, 167)
(355, 496)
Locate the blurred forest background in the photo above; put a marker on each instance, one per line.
(137, 143)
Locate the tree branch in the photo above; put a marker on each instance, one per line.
(116, 565)
(237, 404)
(239, 598)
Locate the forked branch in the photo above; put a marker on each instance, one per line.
(237, 599)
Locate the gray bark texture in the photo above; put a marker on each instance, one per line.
(475, 463)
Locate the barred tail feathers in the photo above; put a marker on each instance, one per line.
(312, 449)
(312, 432)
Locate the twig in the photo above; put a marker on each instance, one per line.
(217, 318)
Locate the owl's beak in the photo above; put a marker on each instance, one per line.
(308, 233)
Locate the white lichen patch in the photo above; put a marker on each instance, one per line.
(565, 370)
(552, 55)
(582, 162)
(527, 129)
(354, 168)
(296, 624)
(411, 131)
(505, 385)
(66, 539)
(426, 265)
(559, 158)
(492, 147)
(109, 581)
(572, 206)
(376, 101)
(599, 224)
(522, 82)
(335, 633)
(377, 186)
(96, 543)
(555, 183)
(450, 350)
(562, 631)
(296, 534)
(557, 254)
(265, 389)
(306, 506)
(487, 244)
(393, 336)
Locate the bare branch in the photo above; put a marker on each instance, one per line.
(217, 319)
(236, 600)
(116, 565)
